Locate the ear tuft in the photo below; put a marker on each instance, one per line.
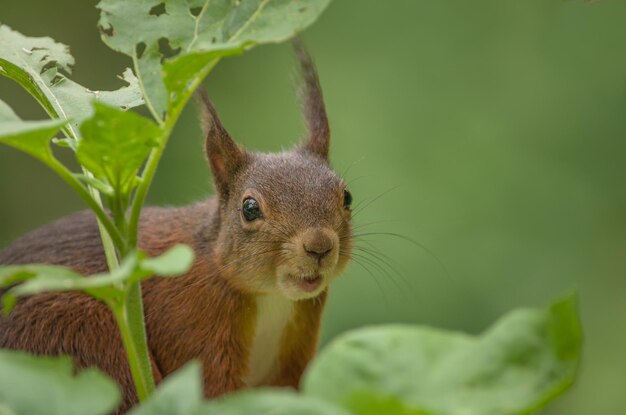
(312, 101)
(225, 157)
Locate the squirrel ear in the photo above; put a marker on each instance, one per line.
(312, 102)
(225, 157)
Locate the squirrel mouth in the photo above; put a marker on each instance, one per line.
(307, 283)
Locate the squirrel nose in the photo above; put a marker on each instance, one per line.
(318, 246)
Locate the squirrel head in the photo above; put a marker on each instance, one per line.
(284, 218)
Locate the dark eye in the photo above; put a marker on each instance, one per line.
(347, 199)
(251, 210)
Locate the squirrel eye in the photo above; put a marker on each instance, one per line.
(347, 199)
(251, 210)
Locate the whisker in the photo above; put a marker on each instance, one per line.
(277, 242)
(353, 180)
(382, 270)
(377, 222)
(386, 261)
(359, 207)
(414, 242)
(380, 288)
(347, 170)
(280, 228)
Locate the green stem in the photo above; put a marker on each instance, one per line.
(132, 324)
(155, 155)
(108, 245)
(144, 383)
(136, 321)
(103, 218)
(142, 191)
(35, 86)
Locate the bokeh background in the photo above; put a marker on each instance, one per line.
(493, 133)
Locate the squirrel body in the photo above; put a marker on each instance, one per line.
(267, 246)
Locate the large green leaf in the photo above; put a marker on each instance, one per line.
(269, 402)
(525, 360)
(198, 31)
(38, 63)
(115, 144)
(108, 287)
(49, 386)
(179, 394)
(32, 137)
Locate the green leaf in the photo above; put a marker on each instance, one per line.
(108, 287)
(31, 137)
(524, 361)
(269, 402)
(206, 29)
(177, 260)
(35, 279)
(182, 75)
(49, 386)
(179, 394)
(114, 146)
(102, 187)
(38, 65)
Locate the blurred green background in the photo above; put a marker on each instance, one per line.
(495, 130)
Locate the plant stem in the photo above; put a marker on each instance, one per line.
(142, 191)
(144, 383)
(106, 231)
(132, 321)
(107, 241)
(136, 321)
(155, 155)
(110, 230)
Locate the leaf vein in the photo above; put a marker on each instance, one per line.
(195, 30)
(251, 19)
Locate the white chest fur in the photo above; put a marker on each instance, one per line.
(273, 314)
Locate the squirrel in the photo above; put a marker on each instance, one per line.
(267, 246)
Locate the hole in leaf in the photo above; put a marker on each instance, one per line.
(166, 49)
(47, 66)
(195, 11)
(140, 49)
(107, 31)
(57, 80)
(158, 10)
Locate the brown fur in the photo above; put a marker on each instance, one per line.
(208, 313)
